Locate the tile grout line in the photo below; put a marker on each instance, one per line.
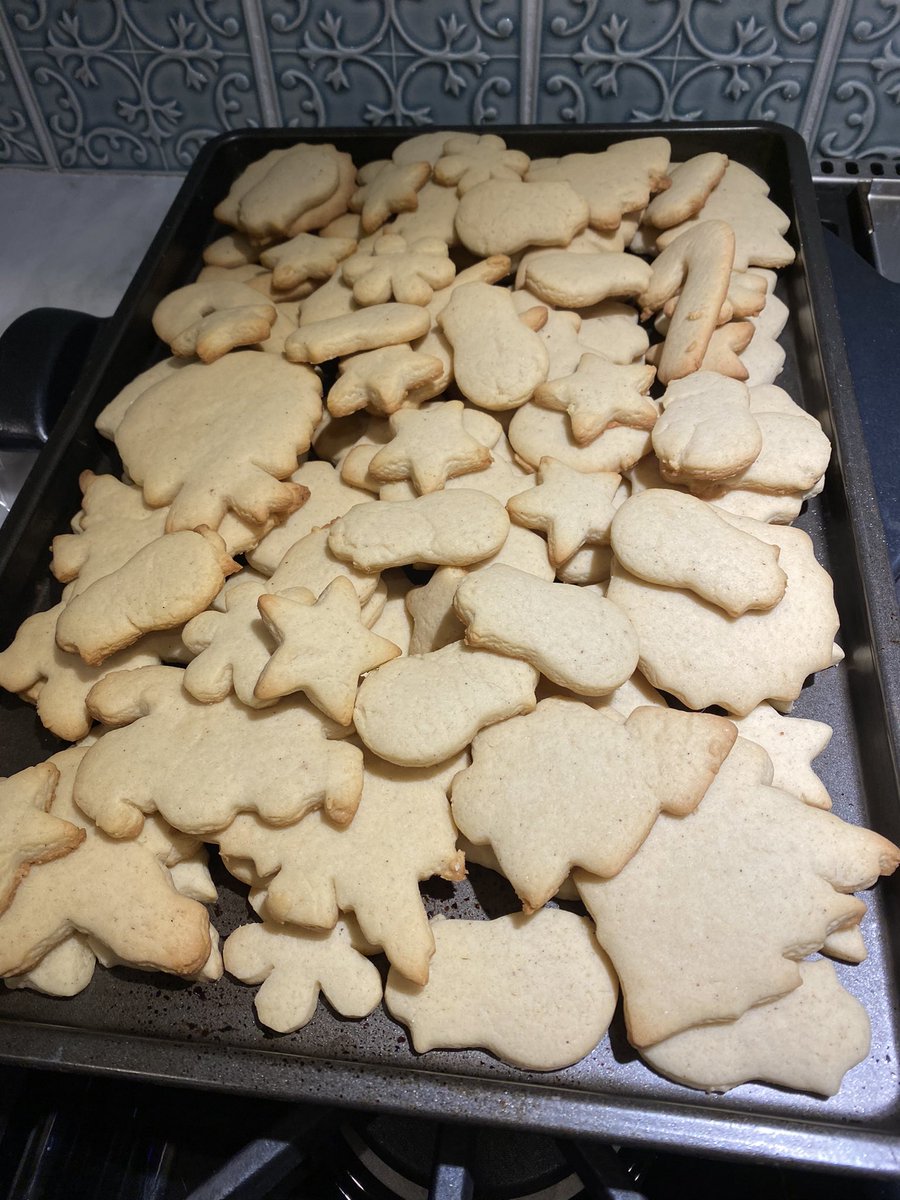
(262, 62)
(823, 72)
(530, 59)
(29, 100)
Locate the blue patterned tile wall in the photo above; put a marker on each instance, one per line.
(19, 144)
(407, 63)
(136, 85)
(612, 60)
(140, 84)
(862, 110)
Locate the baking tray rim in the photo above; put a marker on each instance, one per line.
(722, 1131)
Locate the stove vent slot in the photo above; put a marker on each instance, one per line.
(856, 169)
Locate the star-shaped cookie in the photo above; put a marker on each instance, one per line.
(323, 649)
(601, 393)
(429, 447)
(383, 380)
(305, 256)
(574, 508)
(386, 188)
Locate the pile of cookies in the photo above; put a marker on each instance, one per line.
(413, 524)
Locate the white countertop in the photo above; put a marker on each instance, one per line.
(74, 240)
(70, 241)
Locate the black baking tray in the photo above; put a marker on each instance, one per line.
(157, 1028)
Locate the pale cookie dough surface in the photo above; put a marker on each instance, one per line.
(808, 1040)
(698, 266)
(387, 188)
(723, 354)
(420, 710)
(329, 497)
(56, 682)
(504, 217)
(305, 257)
(385, 380)
(434, 217)
(423, 147)
(523, 550)
(118, 892)
(365, 329)
(65, 970)
(692, 182)
(611, 328)
(402, 833)
(497, 360)
(678, 541)
(571, 507)
(569, 280)
(230, 647)
(274, 194)
(567, 785)
(794, 454)
(435, 623)
(294, 964)
(151, 763)
(570, 634)
(29, 833)
(219, 438)
(537, 433)
(613, 182)
(111, 416)
(394, 622)
(429, 447)
(502, 479)
(406, 271)
(707, 431)
(792, 743)
(467, 160)
(738, 668)
(590, 564)
(69, 967)
(538, 992)
(162, 586)
(741, 199)
(208, 319)
(232, 250)
(847, 945)
(768, 881)
(600, 394)
(446, 528)
(113, 523)
(322, 648)
(309, 563)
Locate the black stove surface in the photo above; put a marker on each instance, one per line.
(101, 1139)
(93, 1137)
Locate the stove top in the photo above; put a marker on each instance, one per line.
(84, 1138)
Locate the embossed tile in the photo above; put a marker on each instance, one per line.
(861, 117)
(406, 62)
(681, 60)
(19, 145)
(132, 84)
